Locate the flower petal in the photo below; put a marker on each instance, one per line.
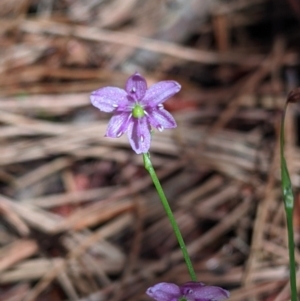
(191, 285)
(139, 135)
(160, 92)
(164, 292)
(136, 86)
(109, 99)
(161, 119)
(118, 125)
(207, 293)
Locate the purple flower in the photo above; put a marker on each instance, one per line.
(190, 291)
(136, 109)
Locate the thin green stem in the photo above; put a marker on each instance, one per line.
(293, 283)
(165, 203)
(288, 198)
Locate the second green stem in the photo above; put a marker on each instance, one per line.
(288, 197)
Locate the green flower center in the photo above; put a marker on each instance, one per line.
(138, 111)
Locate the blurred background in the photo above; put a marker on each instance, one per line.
(79, 217)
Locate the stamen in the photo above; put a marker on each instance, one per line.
(160, 128)
(160, 106)
(115, 105)
(145, 112)
(142, 138)
(133, 90)
(119, 134)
